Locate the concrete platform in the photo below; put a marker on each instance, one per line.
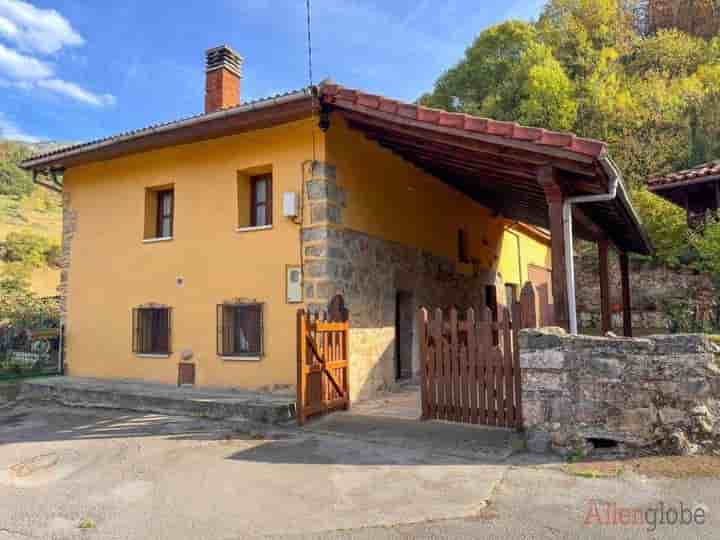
(141, 396)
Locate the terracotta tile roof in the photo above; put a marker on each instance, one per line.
(348, 97)
(699, 172)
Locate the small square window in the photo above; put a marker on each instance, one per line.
(240, 330)
(159, 212)
(151, 330)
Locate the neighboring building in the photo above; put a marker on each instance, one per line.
(697, 190)
(197, 241)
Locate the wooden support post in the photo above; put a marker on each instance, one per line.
(605, 316)
(555, 197)
(625, 279)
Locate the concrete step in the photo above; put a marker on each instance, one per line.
(214, 403)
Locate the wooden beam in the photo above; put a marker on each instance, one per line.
(547, 178)
(605, 315)
(571, 161)
(625, 281)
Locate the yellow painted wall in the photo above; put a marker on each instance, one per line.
(113, 270)
(391, 199)
(513, 266)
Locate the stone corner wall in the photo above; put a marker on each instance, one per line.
(583, 392)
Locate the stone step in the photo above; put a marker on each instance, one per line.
(214, 403)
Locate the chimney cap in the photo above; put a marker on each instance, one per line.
(223, 56)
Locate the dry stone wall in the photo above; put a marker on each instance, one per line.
(580, 392)
(654, 287)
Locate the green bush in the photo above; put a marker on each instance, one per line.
(30, 249)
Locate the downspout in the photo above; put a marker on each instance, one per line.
(615, 180)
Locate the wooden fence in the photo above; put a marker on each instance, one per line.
(322, 362)
(470, 367)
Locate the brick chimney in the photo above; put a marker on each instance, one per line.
(223, 70)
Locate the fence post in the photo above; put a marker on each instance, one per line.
(301, 364)
(421, 327)
(528, 307)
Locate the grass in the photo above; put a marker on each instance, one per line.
(653, 467)
(86, 523)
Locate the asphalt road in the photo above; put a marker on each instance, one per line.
(74, 473)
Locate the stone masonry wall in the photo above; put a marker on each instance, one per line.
(368, 272)
(653, 287)
(660, 392)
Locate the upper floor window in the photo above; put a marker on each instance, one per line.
(261, 201)
(151, 330)
(463, 251)
(159, 212)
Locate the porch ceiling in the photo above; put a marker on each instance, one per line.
(498, 171)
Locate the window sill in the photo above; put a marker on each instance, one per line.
(158, 239)
(251, 229)
(148, 355)
(241, 358)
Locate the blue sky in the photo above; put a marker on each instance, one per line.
(74, 70)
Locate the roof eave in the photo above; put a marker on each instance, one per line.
(132, 140)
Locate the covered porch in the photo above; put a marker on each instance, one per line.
(557, 181)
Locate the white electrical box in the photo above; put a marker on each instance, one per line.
(294, 284)
(290, 204)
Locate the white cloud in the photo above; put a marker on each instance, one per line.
(19, 66)
(8, 130)
(35, 29)
(76, 92)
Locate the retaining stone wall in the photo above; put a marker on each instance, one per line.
(660, 392)
(653, 287)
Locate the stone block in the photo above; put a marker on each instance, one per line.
(542, 359)
(314, 234)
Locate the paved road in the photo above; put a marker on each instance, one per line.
(131, 475)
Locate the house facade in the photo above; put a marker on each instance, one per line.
(194, 243)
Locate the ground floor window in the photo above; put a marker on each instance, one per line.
(240, 330)
(151, 330)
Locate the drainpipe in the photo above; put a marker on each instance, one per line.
(615, 181)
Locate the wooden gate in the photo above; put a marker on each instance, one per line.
(322, 359)
(470, 367)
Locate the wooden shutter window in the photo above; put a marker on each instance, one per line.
(152, 330)
(240, 330)
(261, 201)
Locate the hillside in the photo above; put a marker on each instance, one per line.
(38, 212)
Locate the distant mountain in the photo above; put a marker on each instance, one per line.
(41, 147)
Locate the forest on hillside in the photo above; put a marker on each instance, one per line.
(642, 75)
(30, 222)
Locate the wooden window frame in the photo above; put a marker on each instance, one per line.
(161, 216)
(267, 203)
(151, 345)
(223, 325)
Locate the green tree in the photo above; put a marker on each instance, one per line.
(14, 181)
(30, 249)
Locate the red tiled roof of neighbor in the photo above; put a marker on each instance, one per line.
(340, 96)
(697, 173)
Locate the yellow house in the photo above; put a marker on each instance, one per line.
(194, 243)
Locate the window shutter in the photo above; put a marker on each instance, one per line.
(220, 325)
(168, 331)
(268, 200)
(135, 330)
